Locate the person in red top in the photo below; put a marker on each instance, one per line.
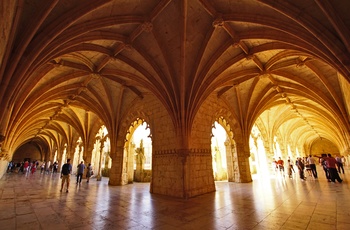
(331, 165)
(25, 167)
(280, 164)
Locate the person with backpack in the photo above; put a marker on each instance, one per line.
(80, 172)
(65, 174)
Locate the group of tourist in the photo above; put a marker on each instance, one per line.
(31, 167)
(26, 167)
(47, 167)
(22, 167)
(331, 166)
(67, 171)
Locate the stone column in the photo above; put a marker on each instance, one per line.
(182, 173)
(99, 173)
(80, 153)
(198, 173)
(117, 175)
(229, 161)
(243, 160)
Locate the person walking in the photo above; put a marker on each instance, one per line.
(48, 164)
(290, 167)
(291, 164)
(80, 172)
(42, 167)
(300, 164)
(274, 165)
(26, 167)
(312, 164)
(333, 172)
(89, 173)
(324, 166)
(55, 167)
(33, 168)
(65, 174)
(339, 164)
(280, 164)
(343, 160)
(9, 167)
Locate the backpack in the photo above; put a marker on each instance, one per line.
(65, 169)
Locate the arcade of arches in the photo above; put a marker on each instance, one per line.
(218, 88)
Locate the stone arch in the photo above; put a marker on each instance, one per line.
(259, 148)
(230, 151)
(163, 137)
(211, 110)
(128, 127)
(264, 133)
(128, 160)
(239, 146)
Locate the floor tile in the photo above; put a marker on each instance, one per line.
(35, 202)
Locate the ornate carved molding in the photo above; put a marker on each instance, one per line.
(183, 152)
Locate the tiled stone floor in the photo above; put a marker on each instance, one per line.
(35, 202)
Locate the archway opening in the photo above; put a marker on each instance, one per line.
(219, 152)
(258, 161)
(101, 161)
(138, 152)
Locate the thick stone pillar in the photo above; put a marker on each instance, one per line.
(117, 175)
(199, 173)
(87, 157)
(243, 161)
(182, 173)
(168, 173)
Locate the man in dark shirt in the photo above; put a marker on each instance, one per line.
(65, 174)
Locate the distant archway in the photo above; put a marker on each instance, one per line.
(224, 154)
(218, 150)
(138, 152)
(259, 162)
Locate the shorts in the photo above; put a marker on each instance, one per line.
(66, 178)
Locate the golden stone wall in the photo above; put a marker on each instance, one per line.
(178, 171)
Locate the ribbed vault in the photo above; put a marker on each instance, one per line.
(285, 61)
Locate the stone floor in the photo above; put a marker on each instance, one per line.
(35, 202)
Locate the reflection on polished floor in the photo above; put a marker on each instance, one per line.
(35, 202)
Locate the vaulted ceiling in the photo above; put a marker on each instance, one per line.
(283, 61)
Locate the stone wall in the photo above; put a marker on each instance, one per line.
(168, 173)
(178, 171)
